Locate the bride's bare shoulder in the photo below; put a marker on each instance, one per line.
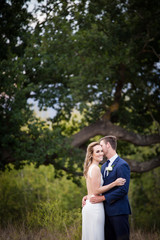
(93, 169)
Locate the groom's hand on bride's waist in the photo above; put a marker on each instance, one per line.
(97, 199)
(84, 201)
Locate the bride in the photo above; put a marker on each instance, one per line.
(93, 214)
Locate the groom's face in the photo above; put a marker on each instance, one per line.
(105, 147)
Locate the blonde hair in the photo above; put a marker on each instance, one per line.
(89, 157)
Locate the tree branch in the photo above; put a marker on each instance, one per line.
(140, 167)
(137, 167)
(107, 128)
(118, 93)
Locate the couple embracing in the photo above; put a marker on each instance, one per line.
(106, 208)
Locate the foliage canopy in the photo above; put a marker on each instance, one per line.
(97, 57)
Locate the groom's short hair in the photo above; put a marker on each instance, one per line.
(111, 139)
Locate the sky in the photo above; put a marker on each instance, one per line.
(50, 113)
(32, 4)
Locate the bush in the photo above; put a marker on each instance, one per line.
(52, 217)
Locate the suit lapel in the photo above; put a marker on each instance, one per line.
(115, 162)
(113, 166)
(104, 167)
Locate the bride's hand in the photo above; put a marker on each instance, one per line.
(120, 181)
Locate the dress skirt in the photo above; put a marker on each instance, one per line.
(93, 221)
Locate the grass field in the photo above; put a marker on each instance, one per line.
(20, 233)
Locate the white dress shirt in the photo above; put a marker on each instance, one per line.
(110, 163)
(112, 159)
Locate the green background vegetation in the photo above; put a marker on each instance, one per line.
(96, 64)
(34, 198)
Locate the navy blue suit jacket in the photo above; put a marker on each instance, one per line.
(116, 202)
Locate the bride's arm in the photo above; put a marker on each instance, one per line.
(96, 179)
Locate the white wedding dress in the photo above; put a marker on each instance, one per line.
(93, 218)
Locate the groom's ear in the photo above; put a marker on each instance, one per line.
(108, 144)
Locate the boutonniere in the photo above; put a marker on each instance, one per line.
(109, 169)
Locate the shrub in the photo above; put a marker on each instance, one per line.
(52, 217)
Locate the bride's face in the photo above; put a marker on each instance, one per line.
(97, 153)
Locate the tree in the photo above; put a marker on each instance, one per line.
(100, 58)
(14, 111)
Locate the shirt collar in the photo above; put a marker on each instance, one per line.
(112, 159)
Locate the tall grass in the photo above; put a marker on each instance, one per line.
(72, 233)
(47, 222)
(51, 217)
(34, 205)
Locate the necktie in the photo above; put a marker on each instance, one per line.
(108, 161)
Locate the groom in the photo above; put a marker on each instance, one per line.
(116, 204)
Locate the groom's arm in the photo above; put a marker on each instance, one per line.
(84, 200)
(94, 199)
(119, 192)
(97, 199)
